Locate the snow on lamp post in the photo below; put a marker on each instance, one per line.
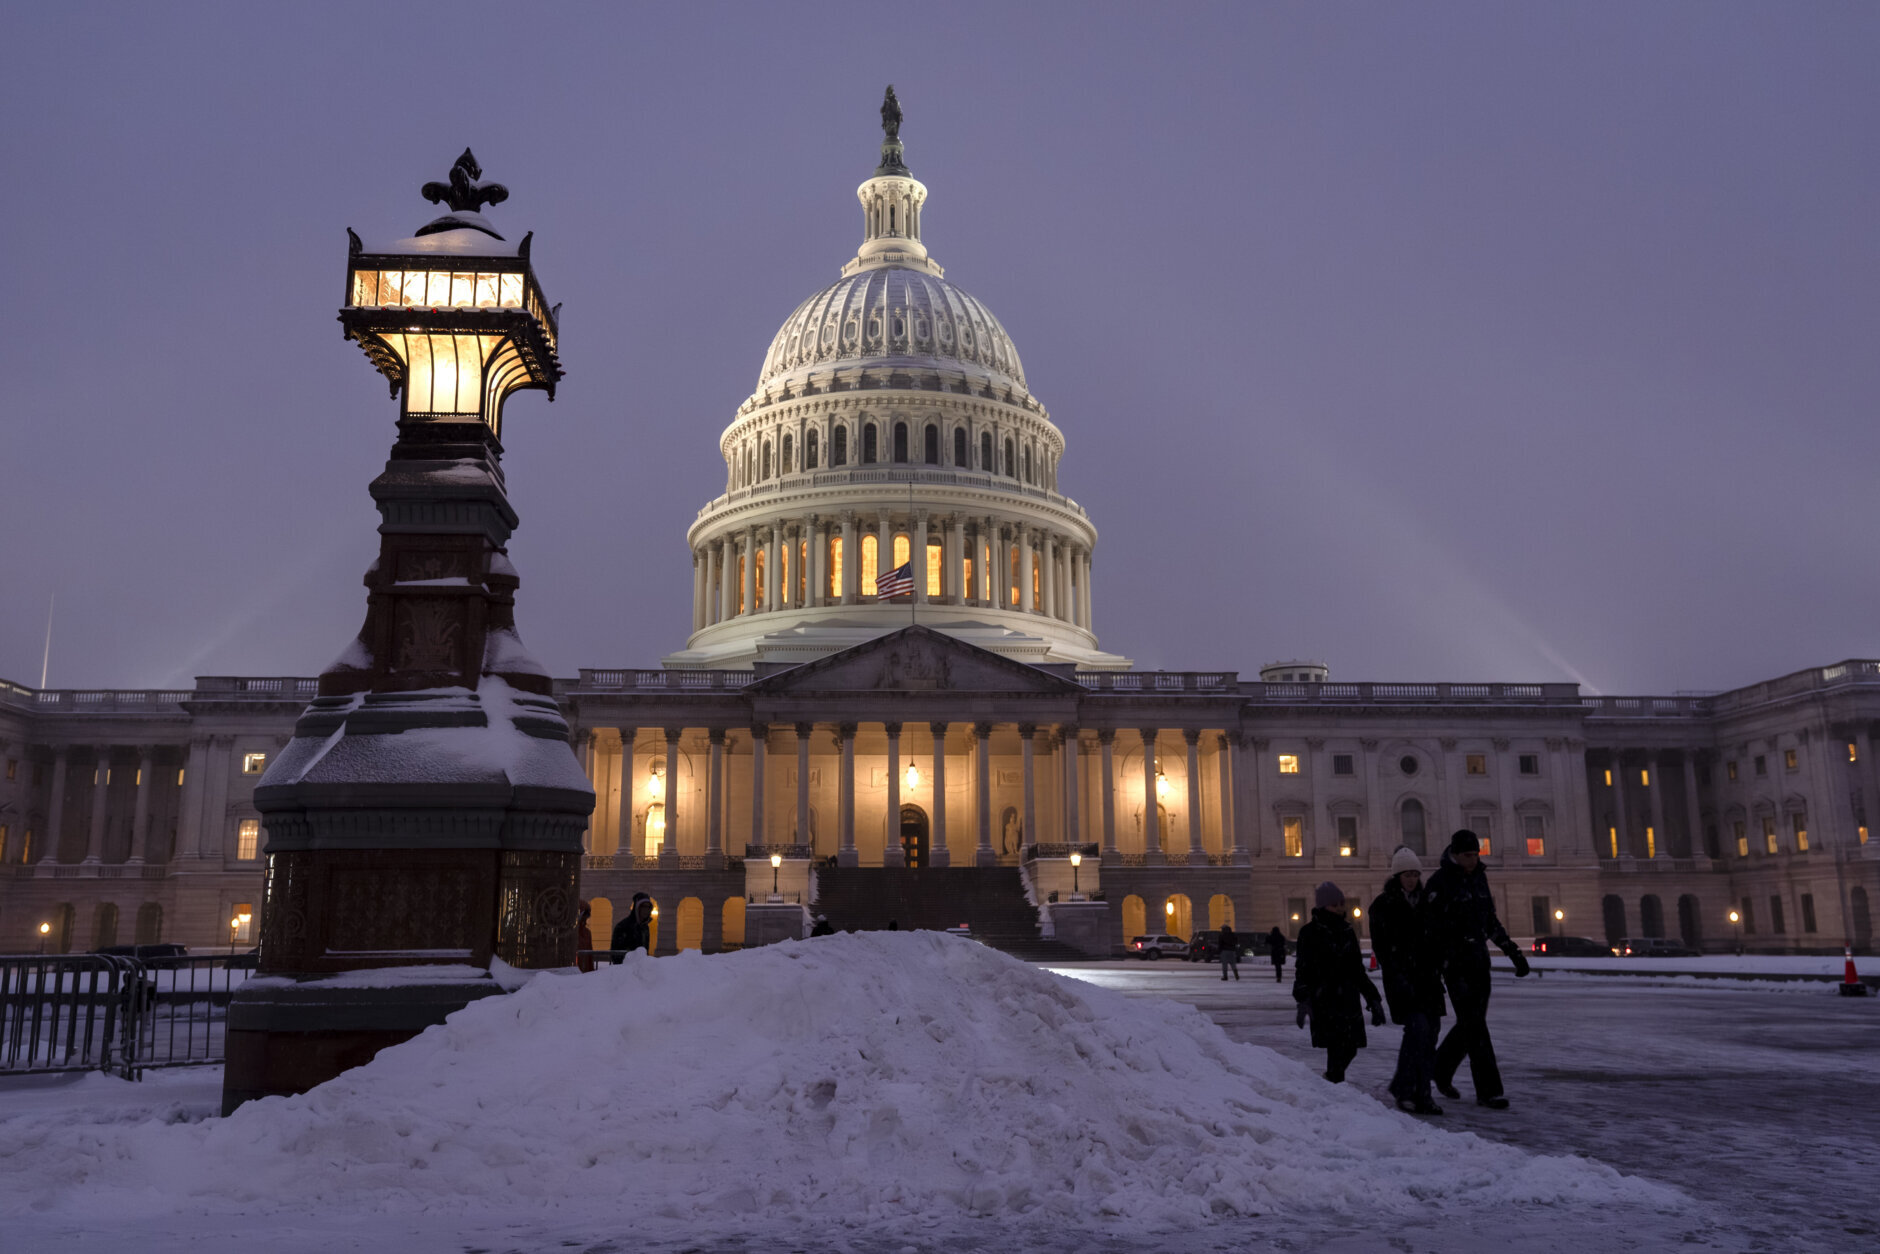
(429, 811)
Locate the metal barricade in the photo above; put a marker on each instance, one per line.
(68, 1012)
(183, 1018)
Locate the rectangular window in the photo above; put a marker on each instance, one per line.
(1347, 835)
(1791, 760)
(3, 843)
(1341, 764)
(1295, 833)
(1729, 768)
(1288, 764)
(1808, 912)
(1534, 829)
(1762, 765)
(241, 922)
(1475, 764)
(1612, 835)
(933, 570)
(966, 580)
(1777, 923)
(1749, 917)
(1798, 823)
(247, 839)
(179, 776)
(139, 781)
(1742, 839)
(1853, 755)
(1479, 824)
(1530, 764)
(1609, 777)
(1645, 779)
(1651, 842)
(1769, 835)
(254, 763)
(1543, 916)
(835, 566)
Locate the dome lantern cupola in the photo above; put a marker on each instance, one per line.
(891, 206)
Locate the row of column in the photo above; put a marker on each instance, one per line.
(1070, 786)
(725, 581)
(94, 843)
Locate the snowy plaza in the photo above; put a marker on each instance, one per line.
(924, 1093)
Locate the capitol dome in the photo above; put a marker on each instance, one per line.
(899, 321)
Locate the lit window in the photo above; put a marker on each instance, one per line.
(1651, 842)
(871, 564)
(139, 780)
(254, 763)
(835, 565)
(1863, 833)
(1730, 770)
(933, 570)
(1769, 835)
(241, 922)
(1535, 832)
(1612, 836)
(247, 839)
(1800, 824)
(1609, 777)
(1482, 826)
(1645, 778)
(1742, 839)
(1347, 835)
(1288, 764)
(3, 842)
(1791, 759)
(1475, 764)
(179, 776)
(1294, 829)
(1341, 764)
(1853, 755)
(1530, 764)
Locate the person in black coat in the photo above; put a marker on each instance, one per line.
(1230, 951)
(635, 929)
(1413, 979)
(1328, 981)
(1276, 949)
(1463, 923)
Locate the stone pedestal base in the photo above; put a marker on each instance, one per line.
(766, 923)
(1083, 925)
(286, 1036)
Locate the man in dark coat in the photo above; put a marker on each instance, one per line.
(1230, 951)
(1276, 950)
(1328, 980)
(1463, 923)
(1413, 979)
(634, 931)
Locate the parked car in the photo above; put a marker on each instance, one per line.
(1205, 947)
(1571, 947)
(1654, 947)
(150, 955)
(1151, 948)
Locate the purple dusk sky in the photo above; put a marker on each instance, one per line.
(1464, 341)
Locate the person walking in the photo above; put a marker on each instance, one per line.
(634, 931)
(822, 927)
(1230, 951)
(1413, 979)
(1463, 923)
(1328, 981)
(1276, 949)
(584, 938)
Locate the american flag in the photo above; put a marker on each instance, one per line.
(898, 582)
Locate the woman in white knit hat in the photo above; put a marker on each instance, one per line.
(1413, 979)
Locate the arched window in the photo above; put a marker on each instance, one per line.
(1612, 907)
(900, 441)
(891, 218)
(959, 446)
(1691, 921)
(690, 930)
(839, 451)
(1411, 825)
(1135, 918)
(789, 447)
(871, 564)
(932, 445)
(149, 923)
(1011, 460)
(1220, 912)
(1651, 915)
(104, 922)
(985, 450)
(869, 448)
(1028, 478)
(1179, 922)
(764, 473)
(731, 924)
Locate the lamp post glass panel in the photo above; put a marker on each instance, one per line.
(1077, 860)
(776, 861)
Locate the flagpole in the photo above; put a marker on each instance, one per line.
(45, 660)
(913, 598)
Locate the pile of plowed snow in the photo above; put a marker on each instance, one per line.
(852, 1079)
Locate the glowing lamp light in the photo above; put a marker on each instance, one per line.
(1734, 918)
(45, 928)
(776, 860)
(1295, 918)
(912, 777)
(1077, 859)
(1168, 908)
(1356, 913)
(1559, 915)
(656, 777)
(1344, 851)
(1161, 784)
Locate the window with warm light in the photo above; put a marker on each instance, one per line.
(1347, 835)
(241, 920)
(1798, 823)
(871, 564)
(934, 565)
(1853, 755)
(179, 776)
(835, 565)
(1612, 836)
(247, 840)
(1645, 778)
(1861, 831)
(1742, 839)
(1533, 829)
(1729, 769)
(655, 828)
(1651, 842)
(1293, 829)
(1769, 835)
(1791, 760)
(1288, 764)
(1609, 777)
(3, 843)
(1475, 764)
(254, 763)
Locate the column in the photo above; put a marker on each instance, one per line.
(698, 591)
(917, 554)
(1694, 826)
(1089, 596)
(1869, 779)
(803, 731)
(1656, 791)
(1049, 582)
(937, 854)
(1025, 560)
(884, 548)
(1027, 733)
(189, 821)
(1233, 840)
(1197, 852)
(1106, 738)
(1380, 834)
(747, 544)
(140, 815)
(956, 567)
(772, 569)
(1256, 814)
(669, 848)
(715, 801)
(101, 772)
(760, 742)
(1151, 821)
(727, 579)
(818, 572)
(55, 809)
(845, 740)
(851, 561)
(998, 565)
(982, 787)
(891, 851)
(623, 814)
(1073, 786)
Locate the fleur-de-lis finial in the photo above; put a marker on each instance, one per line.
(466, 193)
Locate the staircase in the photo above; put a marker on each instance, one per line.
(988, 900)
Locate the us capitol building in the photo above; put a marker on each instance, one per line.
(940, 761)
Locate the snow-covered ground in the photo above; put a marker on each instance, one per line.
(880, 1093)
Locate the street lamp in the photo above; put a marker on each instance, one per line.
(45, 930)
(776, 861)
(233, 924)
(1736, 921)
(913, 777)
(1077, 860)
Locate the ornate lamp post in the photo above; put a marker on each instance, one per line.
(776, 862)
(1736, 922)
(45, 930)
(429, 810)
(1077, 860)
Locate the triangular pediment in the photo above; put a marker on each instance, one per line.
(916, 659)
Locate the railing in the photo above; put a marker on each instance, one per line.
(652, 862)
(916, 473)
(1031, 853)
(1647, 707)
(92, 1012)
(662, 680)
(1411, 694)
(1157, 681)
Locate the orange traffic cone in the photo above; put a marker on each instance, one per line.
(1850, 983)
(1374, 960)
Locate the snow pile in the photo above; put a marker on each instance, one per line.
(868, 1079)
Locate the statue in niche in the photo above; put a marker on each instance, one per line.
(890, 115)
(1011, 832)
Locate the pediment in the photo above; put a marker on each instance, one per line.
(917, 659)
